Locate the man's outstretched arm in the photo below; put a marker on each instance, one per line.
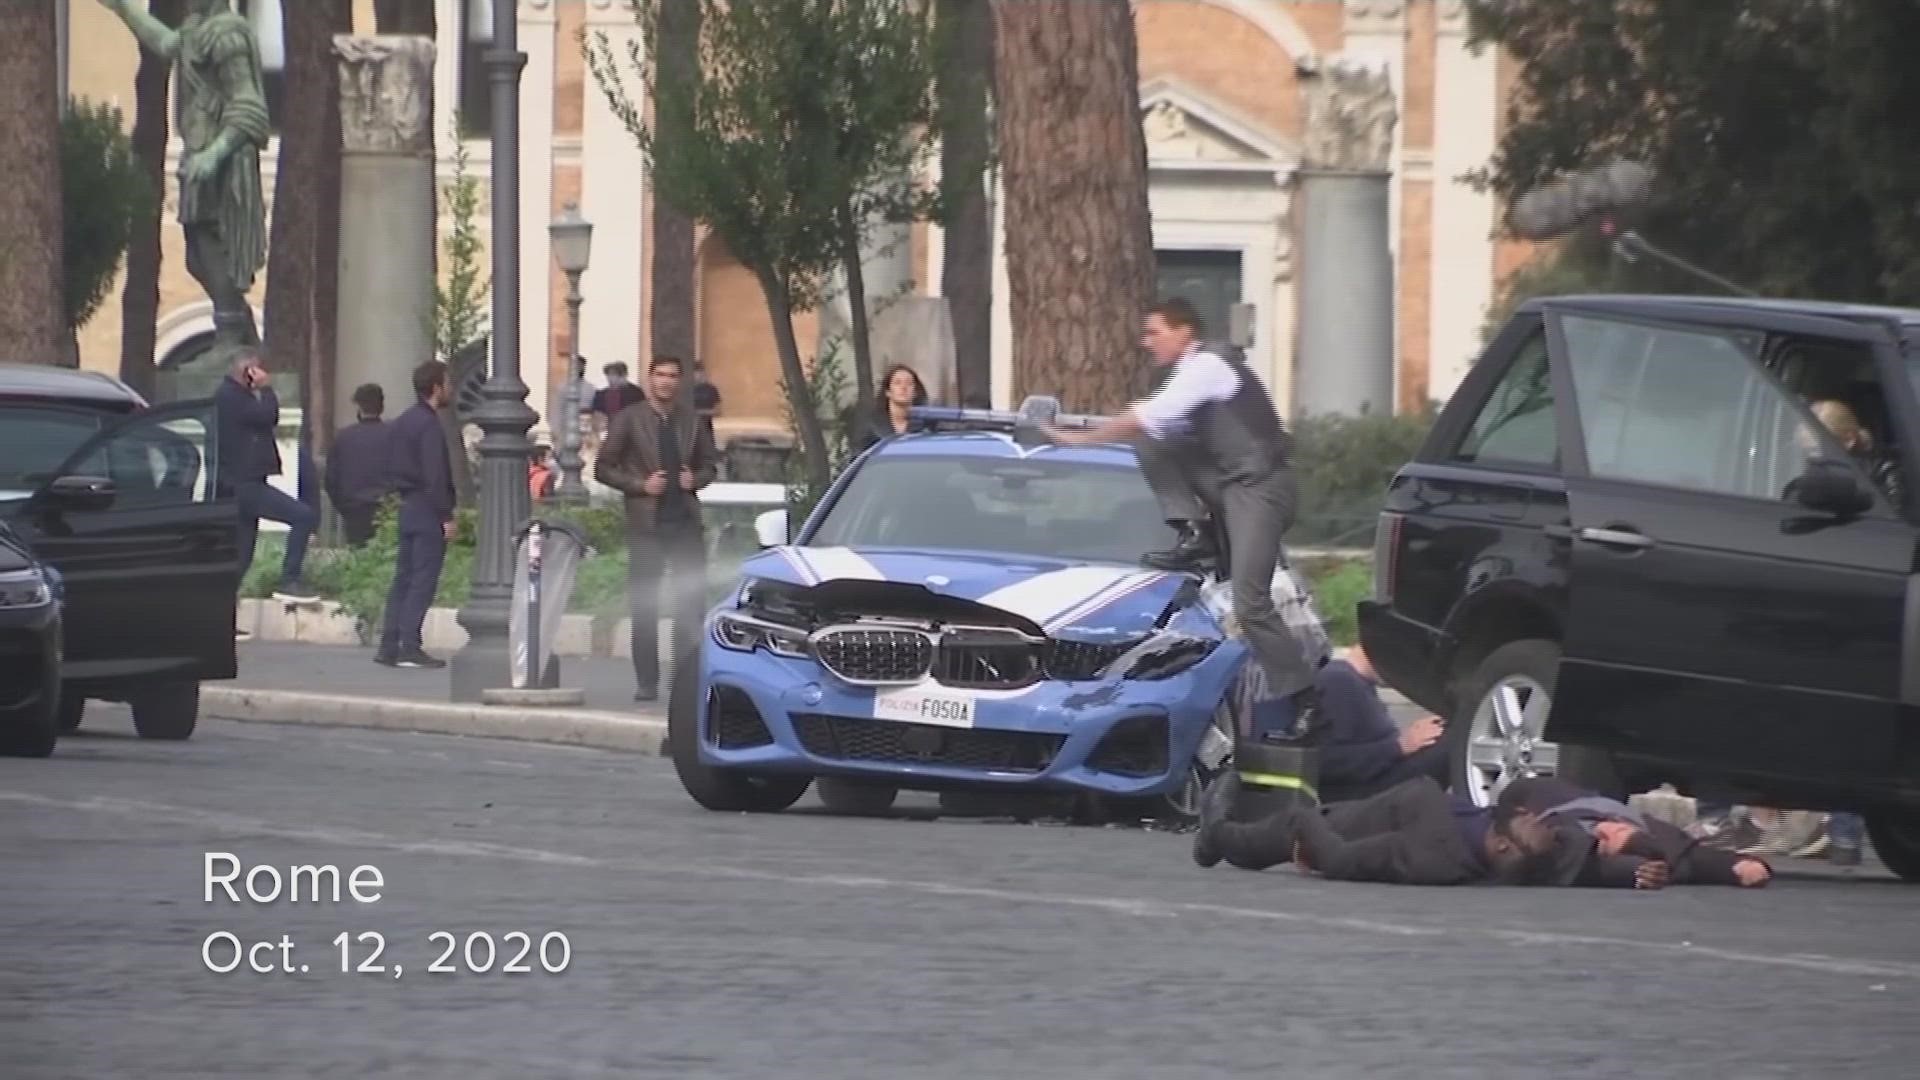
(155, 35)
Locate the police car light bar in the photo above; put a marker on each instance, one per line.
(1037, 409)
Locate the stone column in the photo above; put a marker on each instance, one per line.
(1346, 353)
(1377, 29)
(1466, 111)
(387, 216)
(614, 178)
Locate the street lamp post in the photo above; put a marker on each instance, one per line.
(572, 249)
(503, 415)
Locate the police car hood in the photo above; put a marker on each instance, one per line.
(1079, 601)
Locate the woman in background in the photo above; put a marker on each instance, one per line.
(900, 389)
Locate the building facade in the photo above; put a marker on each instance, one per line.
(1225, 117)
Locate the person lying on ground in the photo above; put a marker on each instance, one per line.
(1365, 752)
(1625, 840)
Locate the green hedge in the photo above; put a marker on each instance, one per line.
(1344, 465)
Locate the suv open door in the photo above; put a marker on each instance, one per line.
(140, 528)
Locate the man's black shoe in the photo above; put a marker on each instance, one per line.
(1193, 551)
(296, 591)
(417, 658)
(386, 659)
(1216, 807)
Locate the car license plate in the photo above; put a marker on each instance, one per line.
(924, 707)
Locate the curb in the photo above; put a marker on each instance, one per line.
(564, 727)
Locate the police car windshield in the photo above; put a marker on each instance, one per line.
(1059, 509)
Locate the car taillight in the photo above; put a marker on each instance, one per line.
(1386, 555)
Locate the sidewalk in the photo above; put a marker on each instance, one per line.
(341, 686)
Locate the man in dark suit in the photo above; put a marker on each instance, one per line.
(422, 472)
(659, 455)
(248, 418)
(357, 469)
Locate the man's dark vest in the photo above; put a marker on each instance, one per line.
(1242, 436)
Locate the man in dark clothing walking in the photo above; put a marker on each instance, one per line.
(1365, 752)
(248, 420)
(659, 455)
(357, 472)
(422, 471)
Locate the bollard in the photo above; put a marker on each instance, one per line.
(536, 532)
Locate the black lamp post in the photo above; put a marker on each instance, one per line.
(572, 249)
(503, 415)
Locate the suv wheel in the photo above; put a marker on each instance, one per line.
(717, 789)
(1896, 839)
(166, 712)
(32, 734)
(72, 709)
(1503, 706)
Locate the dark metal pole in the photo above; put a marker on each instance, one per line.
(503, 414)
(571, 489)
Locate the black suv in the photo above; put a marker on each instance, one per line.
(1631, 551)
(123, 501)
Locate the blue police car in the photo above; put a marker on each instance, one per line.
(964, 611)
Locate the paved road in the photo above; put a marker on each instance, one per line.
(807, 946)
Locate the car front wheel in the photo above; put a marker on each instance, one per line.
(166, 712)
(1896, 839)
(32, 734)
(715, 788)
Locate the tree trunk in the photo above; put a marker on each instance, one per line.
(966, 273)
(1079, 232)
(307, 178)
(140, 295)
(806, 411)
(862, 327)
(33, 327)
(674, 270)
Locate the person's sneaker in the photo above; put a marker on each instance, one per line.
(385, 659)
(1816, 848)
(1216, 806)
(417, 658)
(1789, 832)
(296, 591)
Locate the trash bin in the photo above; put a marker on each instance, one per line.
(547, 556)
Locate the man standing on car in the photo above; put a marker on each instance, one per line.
(248, 421)
(357, 469)
(422, 469)
(659, 455)
(1210, 439)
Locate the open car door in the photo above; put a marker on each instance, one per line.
(138, 525)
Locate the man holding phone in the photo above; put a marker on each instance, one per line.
(248, 419)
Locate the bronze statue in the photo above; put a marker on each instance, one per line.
(220, 113)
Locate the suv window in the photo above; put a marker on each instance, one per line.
(1516, 425)
(1684, 407)
(35, 440)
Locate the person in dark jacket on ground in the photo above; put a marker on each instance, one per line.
(357, 471)
(422, 470)
(1365, 752)
(1624, 841)
(247, 415)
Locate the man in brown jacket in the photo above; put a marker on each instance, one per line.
(660, 455)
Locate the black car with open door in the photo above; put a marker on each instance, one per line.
(1633, 550)
(124, 501)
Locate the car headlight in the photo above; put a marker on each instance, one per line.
(743, 633)
(25, 589)
(1162, 656)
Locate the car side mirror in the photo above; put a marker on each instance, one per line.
(770, 528)
(81, 492)
(1830, 487)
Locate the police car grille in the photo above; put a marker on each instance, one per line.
(852, 738)
(1080, 660)
(875, 655)
(987, 664)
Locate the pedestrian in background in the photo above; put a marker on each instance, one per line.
(247, 417)
(659, 455)
(357, 477)
(422, 470)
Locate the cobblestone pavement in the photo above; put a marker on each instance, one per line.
(803, 945)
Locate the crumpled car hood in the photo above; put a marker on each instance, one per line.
(1072, 600)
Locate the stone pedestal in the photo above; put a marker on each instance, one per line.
(387, 217)
(1345, 358)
